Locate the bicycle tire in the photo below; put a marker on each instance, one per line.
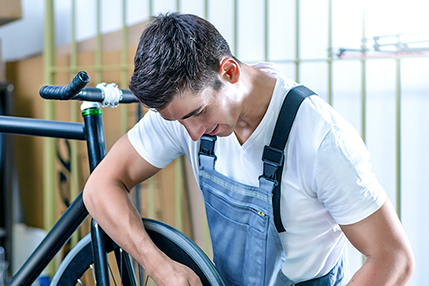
(171, 241)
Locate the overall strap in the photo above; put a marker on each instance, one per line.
(207, 157)
(273, 155)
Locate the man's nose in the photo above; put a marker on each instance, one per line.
(195, 130)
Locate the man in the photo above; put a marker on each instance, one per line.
(185, 72)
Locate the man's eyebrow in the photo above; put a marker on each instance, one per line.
(192, 112)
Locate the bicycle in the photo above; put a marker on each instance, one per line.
(90, 253)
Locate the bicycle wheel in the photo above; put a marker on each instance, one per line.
(76, 268)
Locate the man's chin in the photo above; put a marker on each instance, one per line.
(224, 133)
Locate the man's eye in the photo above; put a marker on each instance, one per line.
(199, 113)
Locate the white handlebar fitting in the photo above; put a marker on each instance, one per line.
(111, 93)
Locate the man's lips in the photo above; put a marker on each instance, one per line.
(215, 131)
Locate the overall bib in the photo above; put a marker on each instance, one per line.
(246, 246)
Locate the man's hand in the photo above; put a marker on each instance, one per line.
(170, 273)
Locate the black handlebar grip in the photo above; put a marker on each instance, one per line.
(60, 92)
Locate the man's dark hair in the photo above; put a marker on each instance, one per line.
(177, 52)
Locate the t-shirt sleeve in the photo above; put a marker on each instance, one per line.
(343, 177)
(156, 139)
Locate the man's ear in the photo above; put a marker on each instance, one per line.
(229, 70)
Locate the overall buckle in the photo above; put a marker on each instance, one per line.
(207, 145)
(206, 155)
(273, 161)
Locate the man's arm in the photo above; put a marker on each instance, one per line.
(381, 238)
(106, 196)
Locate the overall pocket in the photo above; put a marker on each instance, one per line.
(239, 238)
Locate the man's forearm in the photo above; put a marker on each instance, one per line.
(113, 210)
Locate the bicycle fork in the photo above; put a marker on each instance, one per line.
(97, 150)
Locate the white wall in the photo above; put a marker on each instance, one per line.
(25, 37)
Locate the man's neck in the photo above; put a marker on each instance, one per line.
(259, 86)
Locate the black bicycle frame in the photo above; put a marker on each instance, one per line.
(92, 132)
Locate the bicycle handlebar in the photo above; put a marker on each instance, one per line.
(76, 90)
(65, 92)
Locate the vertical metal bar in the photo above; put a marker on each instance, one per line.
(179, 178)
(363, 77)
(206, 230)
(363, 99)
(363, 86)
(49, 45)
(398, 138)
(73, 44)
(151, 180)
(207, 239)
(329, 61)
(151, 198)
(297, 46)
(74, 176)
(98, 45)
(124, 71)
(266, 31)
(206, 9)
(49, 143)
(179, 192)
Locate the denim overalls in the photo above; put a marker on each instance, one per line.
(246, 246)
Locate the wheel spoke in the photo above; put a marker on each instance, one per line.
(113, 276)
(93, 273)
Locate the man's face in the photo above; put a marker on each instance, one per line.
(207, 112)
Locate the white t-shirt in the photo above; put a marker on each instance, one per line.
(327, 179)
